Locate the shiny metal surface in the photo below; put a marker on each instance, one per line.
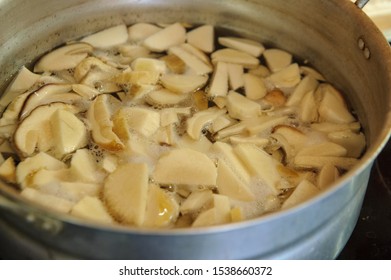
(317, 229)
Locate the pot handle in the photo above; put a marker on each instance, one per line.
(361, 3)
(30, 217)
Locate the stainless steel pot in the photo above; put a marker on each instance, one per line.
(335, 36)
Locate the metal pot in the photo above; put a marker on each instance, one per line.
(334, 36)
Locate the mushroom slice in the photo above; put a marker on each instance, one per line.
(277, 59)
(83, 167)
(221, 122)
(11, 114)
(8, 170)
(196, 201)
(259, 163)
(353, 142)
(69, 132)
(332, 107)
(35, 132)
(201, 145)
(240, 107)
(162, 208)
(286, 78)
(317, 162)
(230, 184)
(254, 140)
(164, 97)
(219, 83)
(196, 52)
(99, 116)
(309, 71)
(202, 38)
(323, 149)
(225, 152)
(254, 87)
(200, 120)
(140, 31)
(28, 167)
(174, 63)
(95, 65)
(170, 115)
(327, 175)
(334, 127)
(295, 137)
(304, 191)
(149, 64)
(23, 81)
(47, 200)
(234, 56)
(183, 83)
(93, 209)
(192, 61)
(66, 57)
(125, 193)
(45, 95)
(85, 91)
(307, 84)
(235, 76)
(251, 47)
(220, 213)
(143, 120)
(263, 124)
(109, 37)
(308, 108)
(185, 166)
(141, 77)
(162, 40)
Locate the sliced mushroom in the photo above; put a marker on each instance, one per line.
(309, 71)
(234, 56)
(140, 31)
(170, 115)
(353, 142)
(127, 185)
(240, 107)
(149, 64)
(8, 170)
(196, 52)
(66, 57)
(174, 63)
(254, 87)
(251, 47)
(196, 201)
(46, 200)
(219, 82)
(327, 175)
(83, 167)
(286, 78)
(323, 149)
(332, 107)
(109, 37)
(317, 162)
(162, 40)
(202, 38)
(277, 59)
(304, 191)
(183, 83)
(235, 76)
(68, 131)
(306, 85)
(47, 94)
(192, 61)
(35, 133)
(185, 166)
(164, 97)
(259, 163)
(23, 81)
(200, 120)
(220, 213)
(230, 184)
(93, 209)
(99, 116)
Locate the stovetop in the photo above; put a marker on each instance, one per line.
(371, 238)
